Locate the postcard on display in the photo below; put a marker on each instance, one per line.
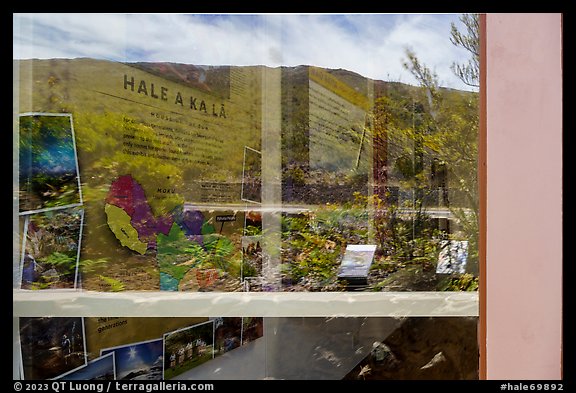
(141, 361)
(48, 163)
(357, 260)
(187, 348)
(51, 346)
(51, 249)
(227, 334)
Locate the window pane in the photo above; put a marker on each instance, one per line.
(208, 168)
(246, 153)
(202, 348)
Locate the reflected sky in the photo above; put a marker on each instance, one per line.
(372, 45)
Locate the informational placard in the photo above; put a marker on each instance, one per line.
(135, 145)
(356, 262)
(339, 136)
(112, 332)
(452, 257)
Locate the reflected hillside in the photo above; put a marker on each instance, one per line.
(180, 165)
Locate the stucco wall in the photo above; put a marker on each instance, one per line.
(524, 196)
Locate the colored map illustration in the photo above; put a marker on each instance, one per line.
(186, 244)
(130, 216)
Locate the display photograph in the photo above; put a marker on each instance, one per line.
(188, 348)
(49, 177)
(227, 334)
(140, 361)
(51, 346)
(51, 249)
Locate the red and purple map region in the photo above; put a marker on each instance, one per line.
(128, 195)
(182, 240)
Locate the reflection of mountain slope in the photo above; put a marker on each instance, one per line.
(135, 374)
(211, 79)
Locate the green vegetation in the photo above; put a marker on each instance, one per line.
(52, 242)
(465, 282)
(313, 243)
(428, 141)
(177, 254)
(171, 372)
(451, 137)
(115, 285)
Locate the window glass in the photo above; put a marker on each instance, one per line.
(200, 348)
(235, 153)
(207, 167)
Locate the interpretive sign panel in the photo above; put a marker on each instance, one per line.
(148, 139)
(127, 348)
(338, 124)
(112, 332)
(164, 162)
(356, 263)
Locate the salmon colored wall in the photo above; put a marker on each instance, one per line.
(524, 196)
